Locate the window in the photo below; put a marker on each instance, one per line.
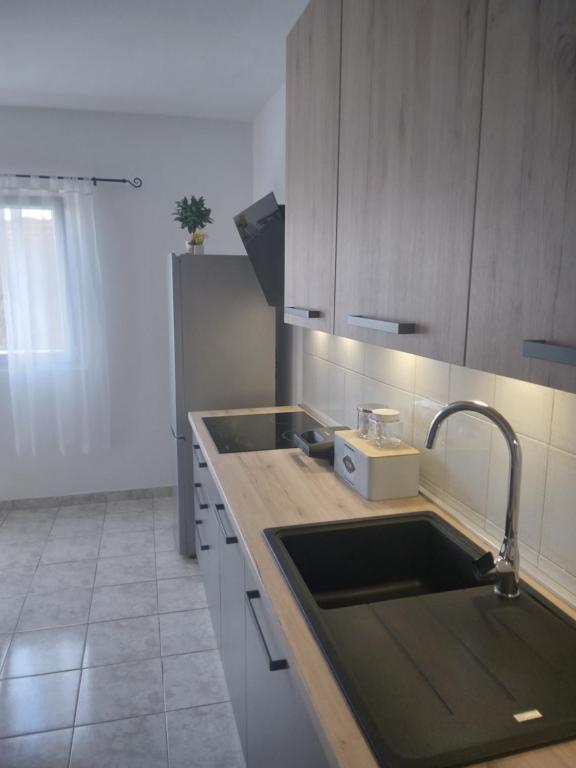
(34, 301)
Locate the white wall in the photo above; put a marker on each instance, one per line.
(467, 471)
(268, 175)
(174, 157)
(268, 140)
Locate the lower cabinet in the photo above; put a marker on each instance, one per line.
(233, 620)
(273, 725)
(278, 730)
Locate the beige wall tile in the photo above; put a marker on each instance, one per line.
(563, 433)
(389, 366)
(527, 407)
(432, 379)
(559, 529)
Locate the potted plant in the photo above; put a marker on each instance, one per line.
(193, 215)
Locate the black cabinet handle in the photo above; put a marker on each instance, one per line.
(553, 353)
(174, 435)
(273, 664)
(198, 456)
(386, 326)
(302, 312)
(202, 504)
(203, 546)
(229, 538)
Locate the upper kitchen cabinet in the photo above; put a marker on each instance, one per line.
(312, 106)
(523, 285)
(411, 86)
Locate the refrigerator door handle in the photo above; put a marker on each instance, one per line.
(174, 435)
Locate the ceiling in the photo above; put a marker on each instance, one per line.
(202, 58)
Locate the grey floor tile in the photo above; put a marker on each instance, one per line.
(57, 576)
(171, 565)
(4, 645)
(164, 518)
(133, 520)
(138, 742)
(45, 650)
(204, 737)
(165, 539)
(193, 680)
(125, 570)
(186, 632)
(40, 515)
(124, 601)
(38, 750)
(10, 608)
(15, 581)
(9, 612)
(25, 530)
(165, 503)
(94, 511)
(130, 505)
(181, 594)
(76, 526)
(58, 609)
(121, 543)
(71, 548)
(120, 690)
(40, 703)
(21, 554)
(111, 642)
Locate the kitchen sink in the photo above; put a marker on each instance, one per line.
(438, 670)
(377, 559)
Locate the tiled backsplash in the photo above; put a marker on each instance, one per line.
(467, 471)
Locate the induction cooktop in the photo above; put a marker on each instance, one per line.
(257, 431)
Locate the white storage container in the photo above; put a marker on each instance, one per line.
(376, 473)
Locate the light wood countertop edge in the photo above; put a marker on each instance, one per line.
(271, 488)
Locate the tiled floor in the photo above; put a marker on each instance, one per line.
(107, 653)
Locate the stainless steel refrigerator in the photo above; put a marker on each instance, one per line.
(223, 354)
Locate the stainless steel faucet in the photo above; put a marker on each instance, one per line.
(508, 561)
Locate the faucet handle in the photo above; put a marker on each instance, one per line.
(483, 565)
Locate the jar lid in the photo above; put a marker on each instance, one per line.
(385, 414)
(369, 407)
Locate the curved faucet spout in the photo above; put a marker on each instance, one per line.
(508, 561)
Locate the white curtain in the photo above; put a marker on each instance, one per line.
(54, 336)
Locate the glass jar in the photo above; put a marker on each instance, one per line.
(364, 411)
(385, 428)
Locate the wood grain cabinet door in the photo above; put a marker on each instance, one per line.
(523, 284)
(312, 106)
(411, 87)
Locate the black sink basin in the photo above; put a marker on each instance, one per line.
(438, 670)
(378, 559)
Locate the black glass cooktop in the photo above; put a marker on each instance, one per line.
(258, 431)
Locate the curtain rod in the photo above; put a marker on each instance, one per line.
(136, 182)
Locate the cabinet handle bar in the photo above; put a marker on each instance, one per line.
(387, 326)
(203, 546)
(274, 664)
(228, 537)
(201, 504)
(302, 312)
(553, 353)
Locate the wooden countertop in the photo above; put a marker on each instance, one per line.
(284, 487)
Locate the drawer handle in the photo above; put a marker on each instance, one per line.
(553, 353)
(174, 435)
(302, 312)
(203, 546)
(199, 458)
(202, 504)
(274, 664)
(229, 538)
(387, 326)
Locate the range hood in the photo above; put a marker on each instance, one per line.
(261, 227)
